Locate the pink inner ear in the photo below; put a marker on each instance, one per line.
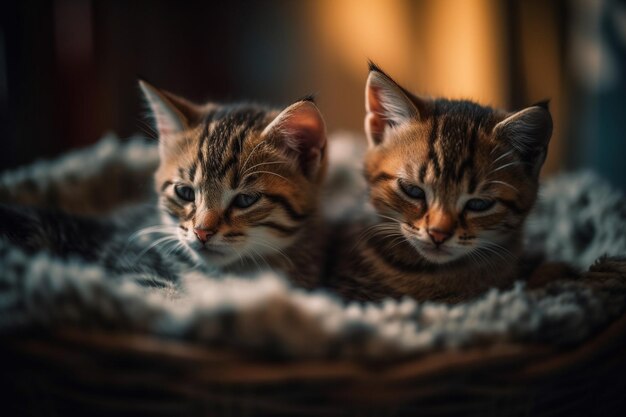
(308, 131)
(304, 128)
(301, 128)
(375, 118)
(373, 101)
(164, 123)
(167, 118)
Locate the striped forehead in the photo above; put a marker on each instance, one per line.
(454, 137)
(220, 141)
(223, 135)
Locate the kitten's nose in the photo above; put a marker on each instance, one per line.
(438, 236)
(203, 235)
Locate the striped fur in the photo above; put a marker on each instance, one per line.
(437, 247)
(222, 151)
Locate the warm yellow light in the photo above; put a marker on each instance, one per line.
(464, 50)
(356, 30)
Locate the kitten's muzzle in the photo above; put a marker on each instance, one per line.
(204, 235)
(438, 236)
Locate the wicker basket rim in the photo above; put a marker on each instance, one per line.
(521, 362)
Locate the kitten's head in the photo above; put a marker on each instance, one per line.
(458, 178)
(238, 181)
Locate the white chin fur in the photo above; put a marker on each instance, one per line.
(435, 255)
(217, 257)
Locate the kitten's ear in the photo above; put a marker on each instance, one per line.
(386, 105)
(528, 131)
(172, 114)
(301, 129)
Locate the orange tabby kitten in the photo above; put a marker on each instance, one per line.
(451, 183)
(241, 183)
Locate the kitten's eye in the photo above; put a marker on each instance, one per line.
(479, 204)
(184, 192)
(412, 191)
(245, 200)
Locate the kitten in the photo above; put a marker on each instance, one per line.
(241, 183)
(237, 190)
(451, 183)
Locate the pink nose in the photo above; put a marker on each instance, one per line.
(438, 236)
(203, 234)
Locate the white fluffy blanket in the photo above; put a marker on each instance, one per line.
(579, 218)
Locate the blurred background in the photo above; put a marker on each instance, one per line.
(68, 68)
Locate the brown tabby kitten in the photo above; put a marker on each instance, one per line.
(451, 183)
(240, 183)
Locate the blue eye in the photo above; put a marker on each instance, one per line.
(479, 204)
(412, 191)
(245, 200)
(185, 193)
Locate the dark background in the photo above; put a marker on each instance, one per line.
(68, 68)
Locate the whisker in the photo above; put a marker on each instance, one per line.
(256, 253)
(504, 155)
(514, 163)
(249, 156)
(150, 230)
(241, 259)
(388, 217)
(487, 249)
(473, 258)
(273, 173)
(154, 244)
(176, 247)
(381, 228)
(277, 250)
(260, 164)
(377, 229)
(483, 259)
(402, 240)
(493, 251)
(494, 149)
(502, 249)
(503, 183)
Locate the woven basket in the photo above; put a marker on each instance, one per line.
(76, 372)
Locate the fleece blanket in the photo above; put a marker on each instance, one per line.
(578, 219)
